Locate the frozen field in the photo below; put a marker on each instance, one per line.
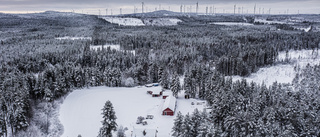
(283, 73)
(80, 112)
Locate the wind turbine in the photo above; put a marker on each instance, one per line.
(197, 8)
(142, 5)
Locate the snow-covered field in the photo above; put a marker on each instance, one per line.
(112, 47)
(283, 73)
(124, 21)
(232, 23)
(139, 22)
(271, 22)
(161, 22)
(80, 112)
(73, 38)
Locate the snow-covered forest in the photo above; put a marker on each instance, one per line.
(46, 56)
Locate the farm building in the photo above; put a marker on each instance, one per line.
(156, 93)
(169, 106)
(166, 94)
(149, 92)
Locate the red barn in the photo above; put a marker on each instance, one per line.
(169, 106)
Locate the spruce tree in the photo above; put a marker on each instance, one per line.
(196, 122)
(177, 125)
(175, 85)
(164, 82)
(186, 126)
(109, 120)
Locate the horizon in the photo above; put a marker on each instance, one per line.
(124, 7)
(257, 14)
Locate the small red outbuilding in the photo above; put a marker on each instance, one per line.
(166, 94)
(156, 93)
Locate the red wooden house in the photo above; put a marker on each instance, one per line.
(169, 106)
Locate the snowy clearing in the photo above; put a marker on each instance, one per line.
(304, 28)
(271, 22)
(162, 22)
(73, 38)
(112, 47)
(81, 111)
(124, 21)
(139, 22)
(232, 23)
(283, 73)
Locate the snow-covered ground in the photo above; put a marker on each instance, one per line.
(124, 21)
(271, 22)
(304, 28)
(232, 23)
(112, 47)
(283, 73)
(139, 22)
(73, 38)
(161, 21)
(80, 112)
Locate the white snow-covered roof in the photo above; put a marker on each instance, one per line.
(170, 103)
(166, 93)
(156, 92)
(138, 132)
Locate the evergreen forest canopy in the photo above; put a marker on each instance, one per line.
(37, 69)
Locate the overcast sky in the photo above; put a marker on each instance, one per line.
(127, 6)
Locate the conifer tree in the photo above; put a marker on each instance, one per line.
(177, 125)
(186, 126)
(164, 82)
(109, 120)
(175, 85)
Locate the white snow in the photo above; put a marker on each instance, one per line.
(166, 93)
(73, 38)
(283, 73)
(306, 29)
(124, 21)
(150, 132)
(81, 111)
(169, 102)
(112, 47)
(232, 23)
(139, 22)
(161, 21)
(271, 22)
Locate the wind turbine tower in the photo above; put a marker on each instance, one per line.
(197, 7)
(142, 6)
(254, 9)
(207, 10)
